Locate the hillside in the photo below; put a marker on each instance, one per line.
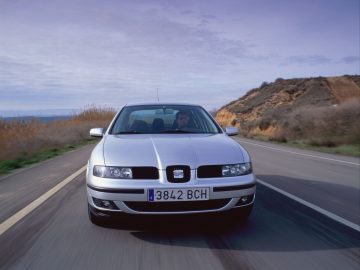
(305, 108)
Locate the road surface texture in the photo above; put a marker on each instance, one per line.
(281, 233)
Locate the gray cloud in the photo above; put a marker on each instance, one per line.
(307, 60)
(112, 52)
(350, 59)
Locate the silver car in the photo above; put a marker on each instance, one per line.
(167, 159)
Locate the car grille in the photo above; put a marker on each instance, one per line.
(170, 173)
(177, 206)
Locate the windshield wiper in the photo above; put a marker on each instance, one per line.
(129, 132)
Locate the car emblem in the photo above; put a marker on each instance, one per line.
(178, 174)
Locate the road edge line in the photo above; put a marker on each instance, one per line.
(314, 207)
(300, 154)
(11, 221)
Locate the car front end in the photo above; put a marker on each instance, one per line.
(168, 173)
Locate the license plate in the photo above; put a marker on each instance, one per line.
(178, 194)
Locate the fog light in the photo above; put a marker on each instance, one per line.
(107, 204)
(244, 200)
(104, 204)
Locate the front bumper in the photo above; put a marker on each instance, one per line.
(131, 196)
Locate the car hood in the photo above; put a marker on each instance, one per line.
(160, 150)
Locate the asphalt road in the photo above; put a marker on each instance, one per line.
(331, 182)
(280, 234)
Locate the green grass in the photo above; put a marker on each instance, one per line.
(347, 150)
(6, 166)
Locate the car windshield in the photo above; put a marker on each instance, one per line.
(158, 119)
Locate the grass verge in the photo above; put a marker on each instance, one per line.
(6, 166)
(347, 150)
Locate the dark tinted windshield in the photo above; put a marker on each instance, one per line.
(149, 119)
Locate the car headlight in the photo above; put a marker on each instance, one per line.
(112, 172)
(236, 169)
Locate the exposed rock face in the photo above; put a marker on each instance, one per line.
(343, 88)
(226, 118)
(265, 111)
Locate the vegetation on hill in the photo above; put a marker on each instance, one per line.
(26, 142)
(314, 111)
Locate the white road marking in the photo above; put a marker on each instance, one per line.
(7, 224)
(312, 206)
(301, 154)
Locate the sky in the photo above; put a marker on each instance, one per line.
(69, 54)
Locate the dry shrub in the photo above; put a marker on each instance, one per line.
(16, 136)
(322, 126)
(246, 127)
(93, 113)
(279, 136)
(327, 126)
(27, 137)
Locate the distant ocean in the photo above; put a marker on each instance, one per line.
(43, 119)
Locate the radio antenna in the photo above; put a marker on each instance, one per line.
(157, 92)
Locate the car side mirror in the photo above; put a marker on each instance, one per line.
(97, 132)
(231, 131)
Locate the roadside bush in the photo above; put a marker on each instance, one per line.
(328, 142)
(18, 138)
(263, 84)
(278, 136)
(93, 113)
(325, 126)
(328, 126)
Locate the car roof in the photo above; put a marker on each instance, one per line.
(161, 104)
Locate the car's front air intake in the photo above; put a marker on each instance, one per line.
(145, 173)
(209, 171)
(187, 206)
